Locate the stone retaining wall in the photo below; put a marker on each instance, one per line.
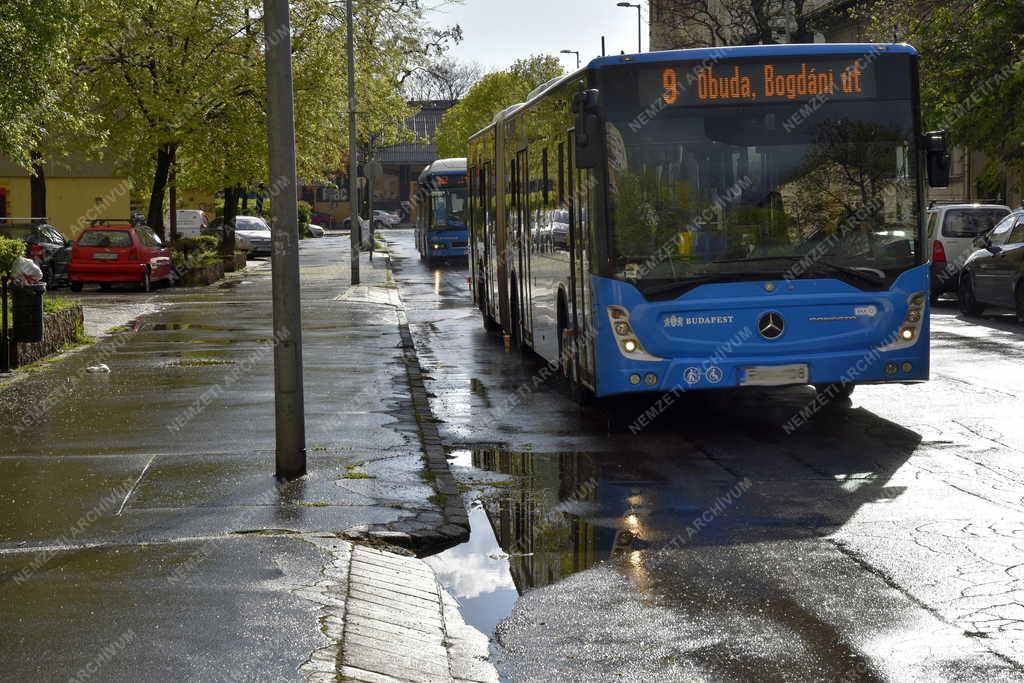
(59, 329)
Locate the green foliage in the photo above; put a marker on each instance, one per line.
(36, 40)
(493, 93)
(195, 252)
(972, 73)
(10, 250)
(305, 214)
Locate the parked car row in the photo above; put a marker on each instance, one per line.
(45, 245)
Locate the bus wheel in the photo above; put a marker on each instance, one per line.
(564, 352)
(481, 296)
(517, 329)
(837, 392)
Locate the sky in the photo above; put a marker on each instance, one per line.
(498, 32)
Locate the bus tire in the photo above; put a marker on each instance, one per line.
(481, 297)
(564, 367)
(515, 322)
(835, 393)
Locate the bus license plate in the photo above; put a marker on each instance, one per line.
(105, 257)
(775, 375)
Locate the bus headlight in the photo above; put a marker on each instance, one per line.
(910, 330)
(625, 337)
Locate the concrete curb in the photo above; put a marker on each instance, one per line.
(388, 619)
(455, 530)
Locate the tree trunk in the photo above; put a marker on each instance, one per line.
(227, 244)
(173, 210)
(37, 187)
(155, 216)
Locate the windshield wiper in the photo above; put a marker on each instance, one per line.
(869, 276)
(690, 282)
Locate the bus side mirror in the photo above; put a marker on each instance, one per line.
(937, 158)
(586, 105)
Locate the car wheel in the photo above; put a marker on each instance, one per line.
(105, 286)
(1020, 302)
(147, 286)
(76, 286)
(969, 304)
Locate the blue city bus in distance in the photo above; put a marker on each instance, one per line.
(724, 217)
(441, 230)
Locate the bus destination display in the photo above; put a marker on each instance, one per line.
(765, 82)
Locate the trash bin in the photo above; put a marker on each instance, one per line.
(28, 313)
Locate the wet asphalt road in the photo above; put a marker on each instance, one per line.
(883, 540)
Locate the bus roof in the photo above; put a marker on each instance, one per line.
(457, 165)
(454, 166)
(741, 51)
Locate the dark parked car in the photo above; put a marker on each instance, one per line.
(994, 274)
(45, 245)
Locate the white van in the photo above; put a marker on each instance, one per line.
(190, 222)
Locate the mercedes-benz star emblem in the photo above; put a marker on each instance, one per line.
(771, 325)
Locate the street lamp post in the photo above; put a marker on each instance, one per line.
(290, 417)
(573, 52)
(639, 25)
(353, 163)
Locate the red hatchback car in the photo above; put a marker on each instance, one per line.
(119, 251)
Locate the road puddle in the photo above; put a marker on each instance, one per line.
(550, 515)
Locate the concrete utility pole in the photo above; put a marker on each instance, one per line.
(290, 412)
(353, 152)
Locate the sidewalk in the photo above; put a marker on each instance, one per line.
(141, 531)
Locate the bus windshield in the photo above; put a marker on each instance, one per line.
(699, 194)
(449, 208)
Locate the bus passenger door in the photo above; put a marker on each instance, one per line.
(525, 240)
(579, 254)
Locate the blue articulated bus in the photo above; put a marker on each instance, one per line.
(441, 230)
(711, 218)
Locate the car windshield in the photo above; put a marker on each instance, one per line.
(251, 224)
(116, 239)
(971, 222)
(728, 191)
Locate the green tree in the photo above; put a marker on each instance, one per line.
(493, 93)
(45, 110)
(972, 73)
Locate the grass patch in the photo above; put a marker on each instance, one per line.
(428, 477)
(439, 499)
(352, 471)
(316, 504)
(199, 362)
(51, 304)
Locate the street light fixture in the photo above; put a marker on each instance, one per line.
(573, 52)
(639, 25)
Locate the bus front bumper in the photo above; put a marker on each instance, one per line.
(679, 375)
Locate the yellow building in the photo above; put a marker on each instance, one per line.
(77, 192)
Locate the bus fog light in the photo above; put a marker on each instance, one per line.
(622, 328)
(914, 316)
(908, 367)
(891, 368)
(917, 300)
(634, 379)
(630, 345)
(651, 379)
(907, 333)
